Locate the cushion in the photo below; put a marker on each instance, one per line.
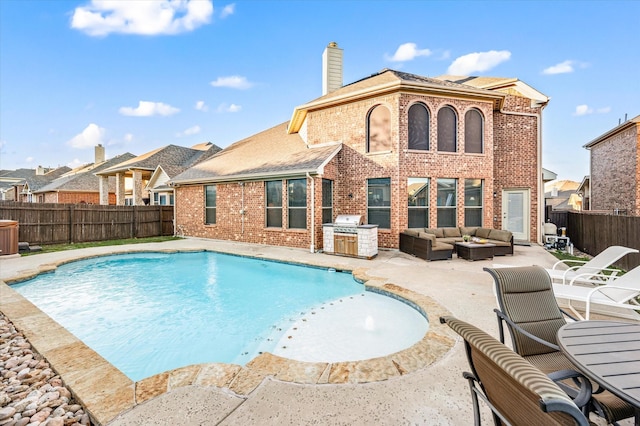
(428, 236)
(483, 232)
(435, 231)
(468, 230)
(412, 232)
(500, 235)
(451, 232)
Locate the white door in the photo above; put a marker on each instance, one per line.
(516, 213)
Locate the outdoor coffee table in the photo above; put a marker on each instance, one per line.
(475, 251)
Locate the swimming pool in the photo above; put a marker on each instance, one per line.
(151, 312)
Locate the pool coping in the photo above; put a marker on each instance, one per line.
(106, 392)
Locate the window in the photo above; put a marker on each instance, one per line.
(379, 129)
(473, 199)
(473, 132)
(155, 198)
(379, 202)
(447, 129)
(447, 203)
(274, 203)
(170, 199)
(418, 202)
(163, 200)
(418, 127)
(297, 198)
(210, 196)
(327, 201)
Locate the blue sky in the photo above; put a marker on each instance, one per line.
(136, 76)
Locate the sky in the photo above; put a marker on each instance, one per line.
(138, 75)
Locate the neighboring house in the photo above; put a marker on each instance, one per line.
(11, 182)
(615, 169)
(25, 189)
(562, 195)
(584, 191)
(160, 192)
(154, 168)
(81, 185)
(399, 149)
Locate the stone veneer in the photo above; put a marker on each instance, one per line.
(105, 391)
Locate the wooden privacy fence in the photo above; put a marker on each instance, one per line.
(76, 223)
(592, 233)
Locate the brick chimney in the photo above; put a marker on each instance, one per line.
(331, 68)
(99, 154)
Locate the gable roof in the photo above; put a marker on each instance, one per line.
(635, 121)
(510, 86)
(35, 182)
(169, 157)
(271, 153)
(387, 81)
(85, 178)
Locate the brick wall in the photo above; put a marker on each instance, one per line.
(76, 197)
(615, 172)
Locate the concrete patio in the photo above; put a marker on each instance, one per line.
(434, 395)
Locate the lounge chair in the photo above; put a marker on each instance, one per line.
(517, 392)
(592, 270)
(528, 305)
(618, 293)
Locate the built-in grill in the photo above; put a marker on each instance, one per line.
(347, 223)
(347, 236)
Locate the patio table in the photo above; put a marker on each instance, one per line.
(608, 353)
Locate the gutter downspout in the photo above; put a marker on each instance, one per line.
(312, 247)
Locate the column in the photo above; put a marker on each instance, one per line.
(104, 190)
(120, 189)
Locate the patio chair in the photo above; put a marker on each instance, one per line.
(527, 304)
(516, 392)
(592, 270)
(618, 293)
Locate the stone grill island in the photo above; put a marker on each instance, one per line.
(347, 236)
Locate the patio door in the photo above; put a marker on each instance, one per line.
(516, 213)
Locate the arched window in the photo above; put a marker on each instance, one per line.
(418, 127)
(379, 129)
(447, 129)
(473, 132)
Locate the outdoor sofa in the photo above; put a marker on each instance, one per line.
(439, 243)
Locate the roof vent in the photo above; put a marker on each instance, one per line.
(331, 68)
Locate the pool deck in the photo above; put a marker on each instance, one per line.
(421, 385)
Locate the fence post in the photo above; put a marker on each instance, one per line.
(134, 230)
(71, 221)
(160, 231)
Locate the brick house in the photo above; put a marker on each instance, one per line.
(614, 179)
(149, 172)
(81, 185)
(399, 149)
(25, 190)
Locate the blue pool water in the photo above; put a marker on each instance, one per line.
(151, 312)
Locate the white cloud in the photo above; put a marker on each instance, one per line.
(28, 159)
(190, 131)
(478, 61)
(147, 109)
(233, 82)
(586, 110)
(128, 137)
(228, 10)
(201, 106)
(103, 17)
(75, 163)
(408, 52)
(561, 68)
(91, 136)
(229, 108)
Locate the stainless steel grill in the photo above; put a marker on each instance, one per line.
(347, 223)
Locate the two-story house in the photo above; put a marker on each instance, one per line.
(399, 149)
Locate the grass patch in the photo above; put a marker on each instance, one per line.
(61, 247)
(568, 258)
